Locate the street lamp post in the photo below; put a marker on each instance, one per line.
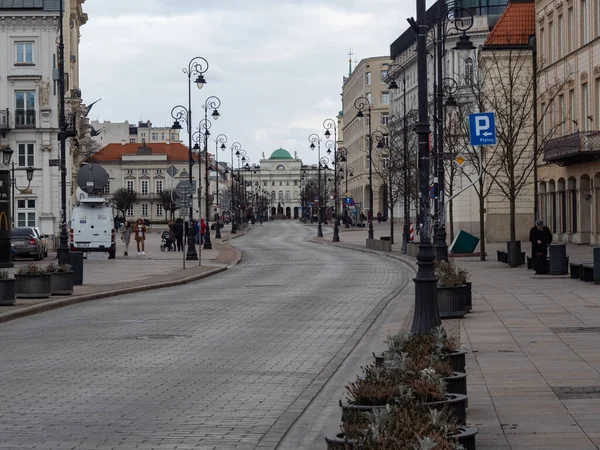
(197, 66)
(330, 124)
(213, 103)
(394, 72)
(362, 104)
(312, 139)
(220, 139)
(5, 210)
(236, 147)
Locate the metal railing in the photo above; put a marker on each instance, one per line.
(25, 118)
(573, 148)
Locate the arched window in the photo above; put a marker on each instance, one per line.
(280, 167)
(287, 196)
(469, 74)
(273, 195)
(280, 196)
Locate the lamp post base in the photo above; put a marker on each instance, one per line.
(371, 233)
(207, 243)
(441, 249)
(191, 254)
(218, 232)
(336, 232)
(233, 227)
(320, 230)
(426, 316)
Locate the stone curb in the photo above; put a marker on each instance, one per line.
(62, 302)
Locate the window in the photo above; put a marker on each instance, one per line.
(386, 140)
(26, 155)
(543, 121)
(162, 136)
(265, 183)
(132, 140)
(542, 43)
(25, 109)
(154, 136)
(106, 189)
(281, 183)
(159, 210)
(129, 171)
(585, 111)
(144, 187)
(571, 44)
(24, 52)
(143, 135)
(173, 136)
(385, 98)
(273, 195)
(385, 119)
(158, 171)
(131, 210)
(572, 110)
(369, 97)
(280, 196)
(280, 167)
(469, 73)
(26, 213)
(368, 78)
(287, 196)
(585, 22)
(130, 185)
(561, 107)
(383, 75)
(550, 41)
(295, 182)
(144, 171)
(144, 209)
(287, 183)
(367, 121)
(559, 42)
(272, 183)
(159, 186)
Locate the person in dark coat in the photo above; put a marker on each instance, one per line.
(178, 229)
(186, 231)
(540, 237)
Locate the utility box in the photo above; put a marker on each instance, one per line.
(559, 263)
(464, 243)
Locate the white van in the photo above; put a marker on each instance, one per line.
(92, 227)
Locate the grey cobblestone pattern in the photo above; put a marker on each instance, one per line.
(218, 364)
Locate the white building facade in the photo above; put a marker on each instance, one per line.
(29, 99)
(107, 132)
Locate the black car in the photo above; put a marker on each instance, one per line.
(27, 243)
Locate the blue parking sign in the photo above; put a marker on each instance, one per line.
(482, 128)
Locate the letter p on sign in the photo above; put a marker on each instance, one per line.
(482, 123)
(482, 129)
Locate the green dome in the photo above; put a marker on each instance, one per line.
(281, 153)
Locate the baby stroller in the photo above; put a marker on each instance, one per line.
(166, 243)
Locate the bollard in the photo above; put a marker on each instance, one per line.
(76, 261)
(558, 259)
(596, 265)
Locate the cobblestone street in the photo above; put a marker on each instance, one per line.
(227, 362)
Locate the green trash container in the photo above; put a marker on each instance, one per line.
(464, 243)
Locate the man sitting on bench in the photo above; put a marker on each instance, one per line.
(540, 237)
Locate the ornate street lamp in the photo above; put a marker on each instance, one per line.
(220, 139)
(314, 138)
(212, 103)
(331, 125)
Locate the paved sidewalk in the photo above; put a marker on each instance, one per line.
(533, 366)
(126, 274)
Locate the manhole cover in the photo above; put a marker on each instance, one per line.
(562, 330)
(162, 337)
(576, 392)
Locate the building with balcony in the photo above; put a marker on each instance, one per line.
(568, 41)
(107, 132)
(481, 16)
(29, 102)
(143, 168)
(367, 80)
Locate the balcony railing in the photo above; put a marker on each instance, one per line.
(576, 148)
(4, 120)
(25, 118)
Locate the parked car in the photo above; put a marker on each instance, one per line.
(27, 243)
(43, 238)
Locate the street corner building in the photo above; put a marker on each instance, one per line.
(29, 105)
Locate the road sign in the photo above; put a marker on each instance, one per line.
(185, 188)
(460, 160)
(482, 129)
(172, 171)
(331, 197)
(54, 162)
(348, 194)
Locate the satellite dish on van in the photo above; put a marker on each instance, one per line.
(92, 178)
(79, 193)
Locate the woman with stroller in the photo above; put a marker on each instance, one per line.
(126, 236)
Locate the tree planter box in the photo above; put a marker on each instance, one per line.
(452, 301)
(465, 437)
(33, 286)
(354, 413)
(7, 292)
(456, 404)
(457, 360)
(339, 442)
(62, 283)
(456, 383)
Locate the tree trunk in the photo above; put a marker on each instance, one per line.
(513, 233)
(481, 221)
(392, 226)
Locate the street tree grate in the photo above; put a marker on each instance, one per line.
(576, 392)
(564, 330)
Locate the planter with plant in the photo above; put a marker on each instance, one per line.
(62, 279)
(452, 291)
(7, 289)
(32, 281)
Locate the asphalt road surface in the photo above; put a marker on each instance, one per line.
(225, 363)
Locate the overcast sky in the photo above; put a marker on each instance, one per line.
(276, 65)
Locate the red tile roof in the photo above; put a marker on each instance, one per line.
(113, 152)
(515, 25)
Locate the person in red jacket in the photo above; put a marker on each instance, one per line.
(202, 230)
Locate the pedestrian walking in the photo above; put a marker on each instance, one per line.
(540, 237)
(172, 236)
(140, 236)
(186, 231)
(178, 229)
(202, 230)
(126, 236)
(379, 217)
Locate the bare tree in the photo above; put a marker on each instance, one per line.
(508, 91)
